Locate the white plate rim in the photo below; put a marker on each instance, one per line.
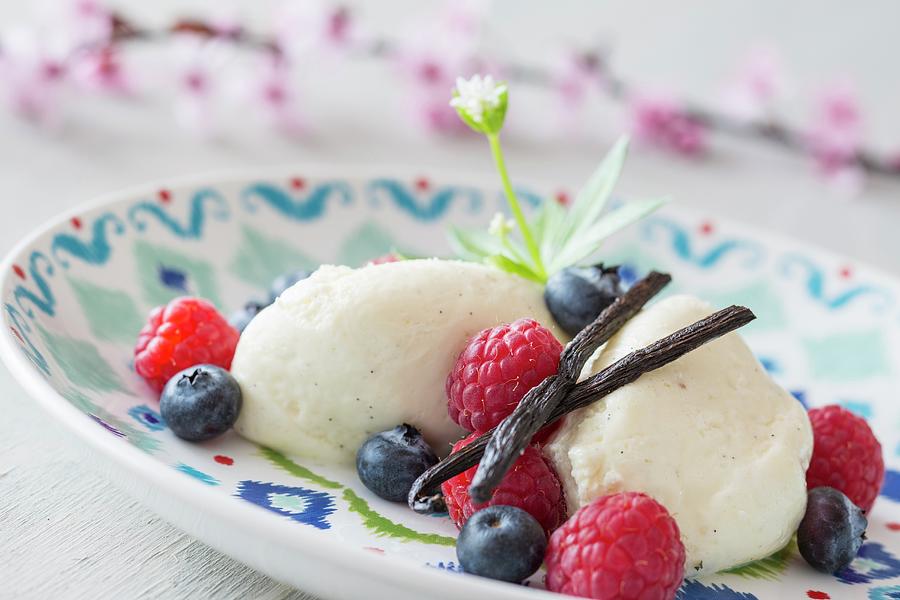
(401, 573)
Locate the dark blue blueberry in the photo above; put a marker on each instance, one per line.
(389, 462)
(201, 402)
(576, 296)
(239, 319)
(832, 530)
(283, 282)
(501, 542)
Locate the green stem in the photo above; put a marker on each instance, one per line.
(533, 250)
(504, 239)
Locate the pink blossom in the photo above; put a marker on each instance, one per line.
(578, 74)
(835, 137)
(430, 58)
(433, 113)
(759, 81)
(33, 76)
(198, 84)
(303, 27)
(226, 26)
(275, 95)
(194, 97)
(464, 17)
(89, 23)
(579, 79)
(103, 69)
(660, 121)
(430, 76)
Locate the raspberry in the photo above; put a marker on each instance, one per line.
(624, 546)
(496, 369)
(846, 455)
(390, 257)
(184, 333)
(531, 485)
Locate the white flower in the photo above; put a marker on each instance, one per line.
(501, 226)
(481, 102)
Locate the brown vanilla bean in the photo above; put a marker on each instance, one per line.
(620, 373)
(582, 347)
(573, 359)
(652, 357)
(513, 435)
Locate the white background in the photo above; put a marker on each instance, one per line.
(65, 532)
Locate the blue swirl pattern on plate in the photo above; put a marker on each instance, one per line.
(684, 247)
(97, 250)
(813, 278)
(429, 208)
(308, 208)
(192, 228)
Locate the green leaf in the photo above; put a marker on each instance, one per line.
(480, 246)
(473, 245)
(554, 238)
(547, 221)
(588, 241)
(510, 266)
(592, 198)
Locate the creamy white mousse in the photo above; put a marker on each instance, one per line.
(710, 436)
(350, 352)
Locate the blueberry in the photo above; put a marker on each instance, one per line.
(389, 462)
(832, 530)
(284, 281)
(201, 402)
(575, 296)
(501, 542)
(239, 319)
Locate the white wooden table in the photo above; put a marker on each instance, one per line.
(67, 533)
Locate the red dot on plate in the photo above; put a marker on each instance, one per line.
(817, 595)
(846, 272)
(17, 334)
(223, 460)
(373, 549)
(562, 198)
(18, 271)
(422, 184)
(76, 222)
(164, 195)
(298, 183)
(893, 526)
(706, 227)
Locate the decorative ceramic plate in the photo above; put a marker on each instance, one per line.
(76, 293)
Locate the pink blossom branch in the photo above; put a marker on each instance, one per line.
(675, 125)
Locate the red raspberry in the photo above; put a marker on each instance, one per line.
(390, 257)
(846, 455)
(624, 546)
(531, 485)
(186, 332)
(496, 369)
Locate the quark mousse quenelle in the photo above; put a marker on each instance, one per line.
(350, 352)
(710, 436)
